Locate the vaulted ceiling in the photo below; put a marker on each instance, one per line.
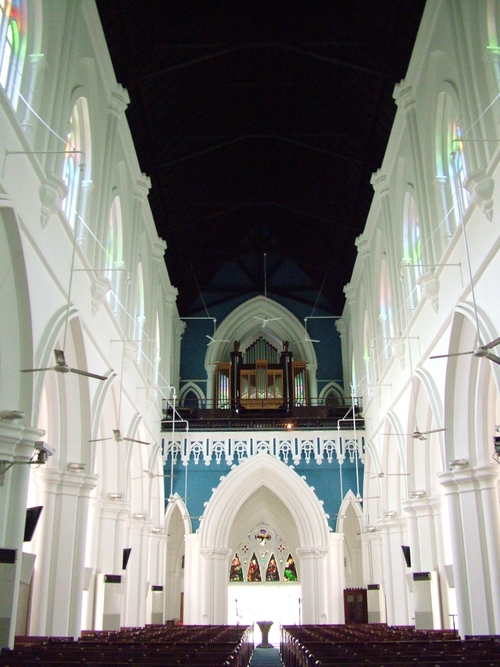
(260, 124)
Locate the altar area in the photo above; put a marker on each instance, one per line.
(273, 601)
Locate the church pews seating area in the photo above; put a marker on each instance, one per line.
(169, 646)
(384, 646)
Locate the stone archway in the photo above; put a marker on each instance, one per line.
(208, 552)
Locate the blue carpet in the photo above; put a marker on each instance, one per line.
(266, 657)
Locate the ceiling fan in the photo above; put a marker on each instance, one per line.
(62, 367)
(148, 473)
(389, 474)
(117, 436)
(214, 340)
(306, 339)
(265, 320)
(361, 500)
(418, 435)
(482, 350)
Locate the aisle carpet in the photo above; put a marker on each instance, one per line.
(266, 657)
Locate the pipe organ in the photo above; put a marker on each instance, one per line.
(261, 378)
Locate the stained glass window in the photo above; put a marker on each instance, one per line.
(262, 557)
(254, 570)
(290, 573)
(12, 45)
(272, 573)
(77, 161)
(412, 250)
(236, 573)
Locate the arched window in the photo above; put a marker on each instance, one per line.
(13, 20)
(451, 163)
(412, 242)
(386, 315)
(157, 348)
(139, 309)
(114, 252)
(76, 166)
(366, 348)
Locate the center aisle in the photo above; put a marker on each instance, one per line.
(266, 657)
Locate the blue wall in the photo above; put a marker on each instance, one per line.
(325, 479)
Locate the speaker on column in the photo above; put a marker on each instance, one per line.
(126, 556)
(32, 516)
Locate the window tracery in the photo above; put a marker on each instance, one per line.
(262, 556)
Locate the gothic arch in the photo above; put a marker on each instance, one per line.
(245, 479)
(241, 324)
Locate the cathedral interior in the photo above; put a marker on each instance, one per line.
(249, 334)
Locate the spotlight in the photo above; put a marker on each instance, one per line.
(459, 463)
(76, 466)
(289, 426)
(417, 494)
(11, 415)
(115, 496)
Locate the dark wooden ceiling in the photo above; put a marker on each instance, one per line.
(260, 124)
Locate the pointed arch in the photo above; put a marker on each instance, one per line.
(264, 470)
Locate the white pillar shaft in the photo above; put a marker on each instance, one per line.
(394, 573)
(213, 585)
(191, 580)
(16, 446)
(313, 575)
(475, 534)
(60, 549)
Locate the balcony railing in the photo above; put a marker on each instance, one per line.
(338, 413)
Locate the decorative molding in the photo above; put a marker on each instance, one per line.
(99, 289)
(430, 288)
(51, 193)
(481, 187)
(235, 447)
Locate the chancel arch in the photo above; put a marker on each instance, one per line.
(227, 517)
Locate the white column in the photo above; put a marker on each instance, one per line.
(16, 446)
(313, 574)
(335, 580)
(192, 614)
(472, 497)
(60, 548)
(394, 572)
(108, 541)
(214, 579)
(136, 584)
